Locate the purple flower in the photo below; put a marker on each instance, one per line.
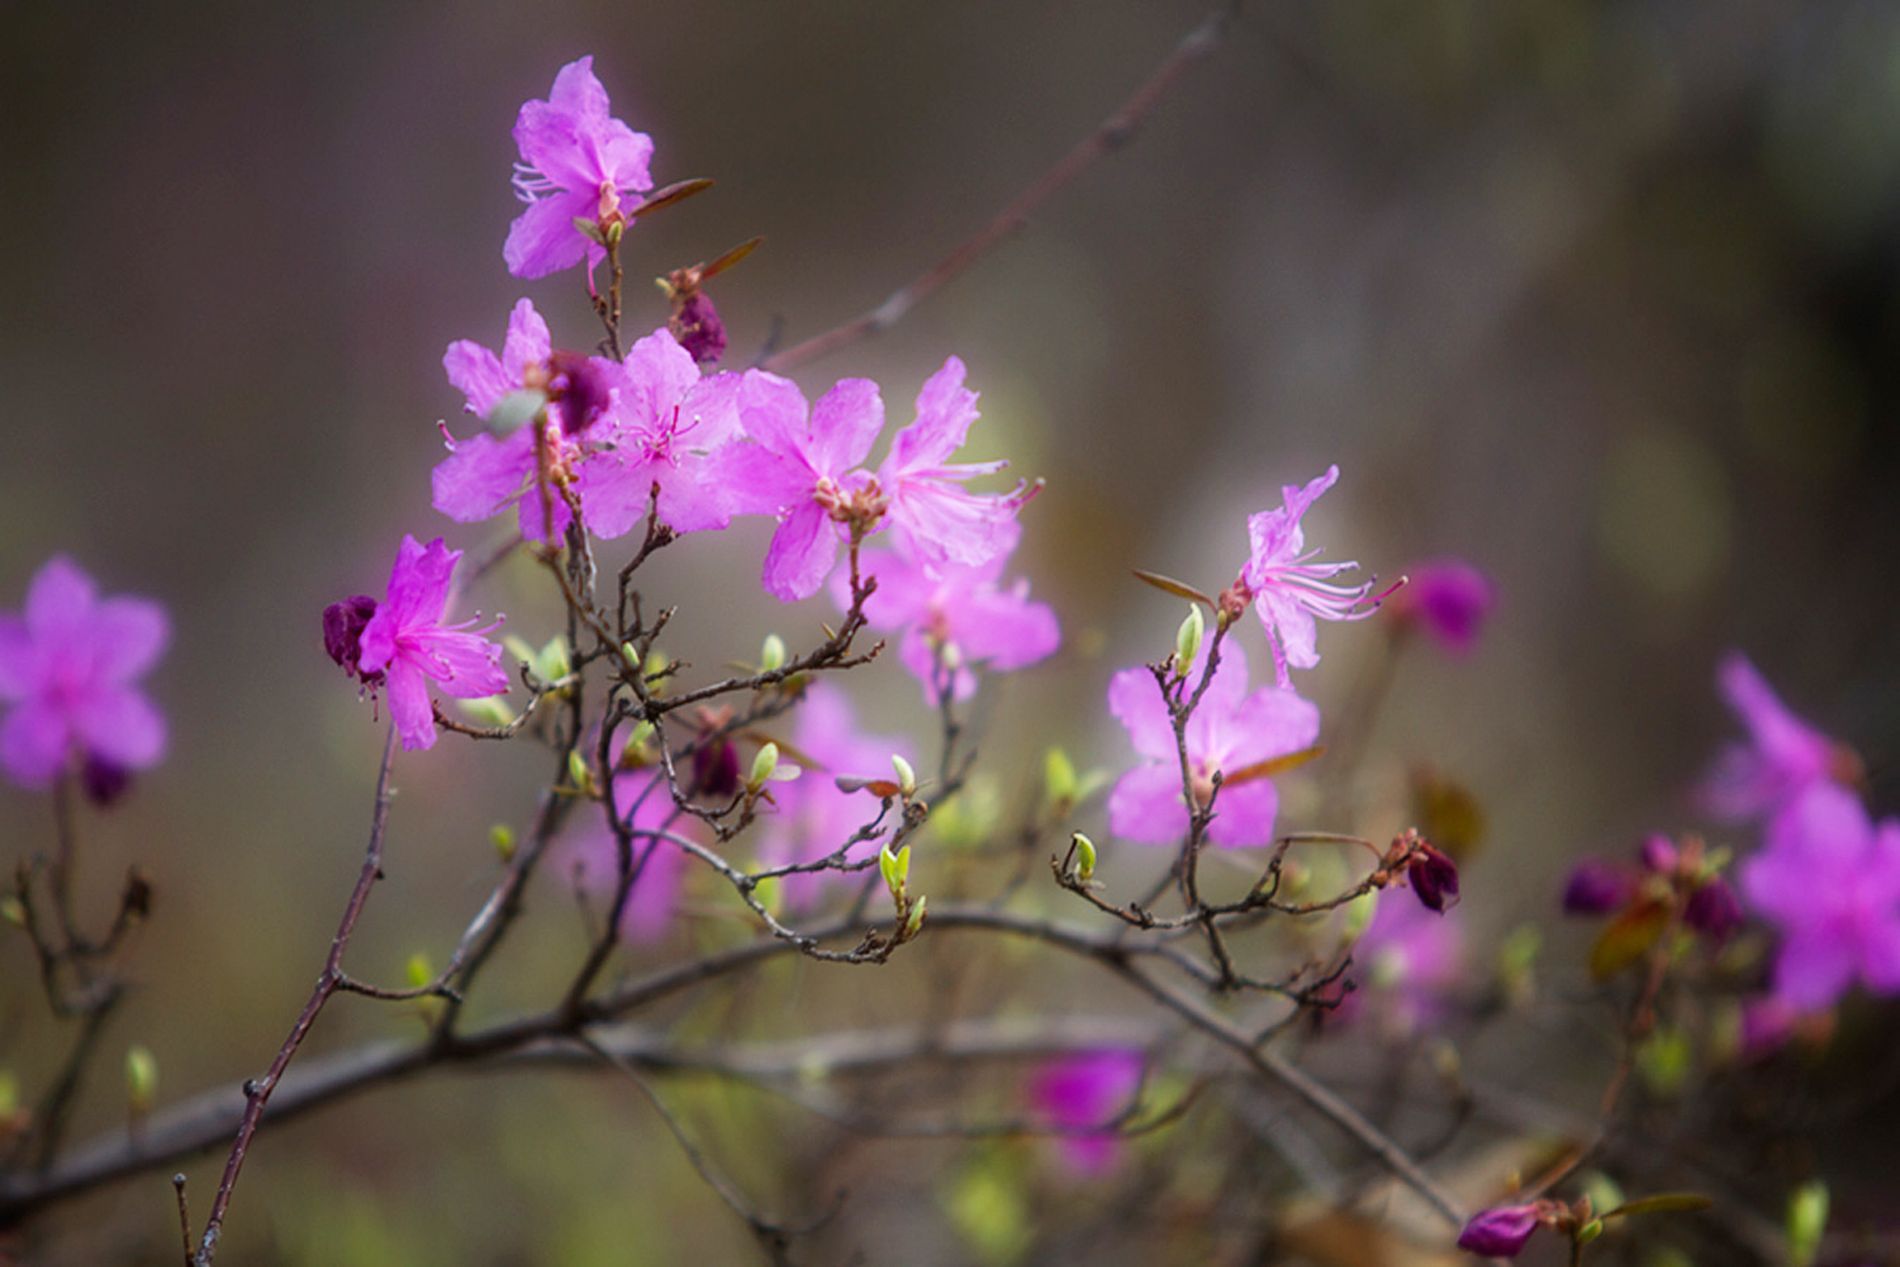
(1434, 878)
(813, 817)
(69, 665)
(1597, 887)
(1713, 910)
(1230, 732)
(1449, 599)
(576, 164)
(934, 519)
(485, 474)
(407, 643)
(591, 857)
(1829, 879)
(696, 324)
(1501, 1232)
(1782, 757)
(1288, 588)
(665, 420)
(1414, 962)
(962, 617)
(1085, 1090)
(804, 466)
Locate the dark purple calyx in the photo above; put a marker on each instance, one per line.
(343, 625)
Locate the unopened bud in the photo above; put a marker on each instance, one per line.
(1589, 1231)
(578, 774)
(772, 654)
(502, 837)
(1807, 1222)
(552, 661)
(1084, 856)
(141, 1079)
(895, 868)
(916, 920)
(419, 970)
(906, 777)
(764, 764)
(1187, 639)
(489, 711)
(1058, 773)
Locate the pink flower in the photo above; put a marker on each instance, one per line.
(1500, 1233)
(1829, 879)
(665, 421)
(590, 857)
(812, 817)
(965, 616)
(1782, 757)
(934, 519)
(576, 164)
(1413, 961)
(804, 466)
(485, 474)
(406, 642)
(1288, 588)
(1230, 732)
(69, 665)
(1447, 598)
(1084, 1090)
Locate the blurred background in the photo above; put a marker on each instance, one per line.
(1599, 296)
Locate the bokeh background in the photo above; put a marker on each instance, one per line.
(1599, 296)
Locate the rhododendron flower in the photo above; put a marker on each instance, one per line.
(406, 643)
(1413, 961)
(804, 467)
(1289, 590)
(1501, 1232)
(1449, 600)
(590, 856)
(665, 420)
(485, 474)
(1829, 879)
(1230, 732)
(934, 518)
(69, 668)
(1782, 757)
(812, 816)
(1086, 1090)
(961, 617)
(577, 163)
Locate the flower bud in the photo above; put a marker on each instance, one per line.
(895, 868)
(1434, 878)
(716, 769)
(1084, 856)
(696, 325)
(916, 920)
(1659, 855)
(419, 970)
(1807, 1222)
(578, 775)
(491, 711)
(906, 777)
(502, 837)
(552, 662)
(1058, 774)
(104, 782)
(1187, 639)
(1589, 1231)
(141, 1079)
(772, 654)
(1713, 910)
(1501, 1232)
(1596, 887)
(764, 764)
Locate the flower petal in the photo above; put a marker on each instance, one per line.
(483, 475)
(409, 706)
(845, 423)
(122, 726)
(35, 741)
(543, 239)
(801, 554)
(130, 634)
(1136, 702)
(1146, 805)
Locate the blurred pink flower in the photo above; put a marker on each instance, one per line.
(1288, 588)
(69, 667)
(577, 163)
(1449, 600)
(1829, 880)
(1782, 757)
(590, 856)
(1501, 1232)
(1230, 732)
(1084, 1090)
(406, 642)
(965, 614)
(1412, 962)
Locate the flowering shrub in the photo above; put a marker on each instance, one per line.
(703, 823)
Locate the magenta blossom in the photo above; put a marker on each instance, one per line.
(1288, 588)
(577, 163)
(69, 667)
(1782, 757)
(485, 474)
(406, 643)
(1501, 1232)
(962, 617)
(1449, 600)
(1229, 733)
(1413, 961)
(665, 420)
(934, 519)
(805, 467)
(591, 857)
(812, 816)
(1597, 887)
(1829, 879)
(1082, 1091)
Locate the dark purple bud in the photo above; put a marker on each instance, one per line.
(1713, 910)
(716, 770)
(580, 388)
(343, 634)
(1434, 878)
(696, 324)
(1659, 855)
(1597, 887)
(1501, 1232)
(103, 781)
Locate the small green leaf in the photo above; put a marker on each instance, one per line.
(1627, 938)
(1661, 1203)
